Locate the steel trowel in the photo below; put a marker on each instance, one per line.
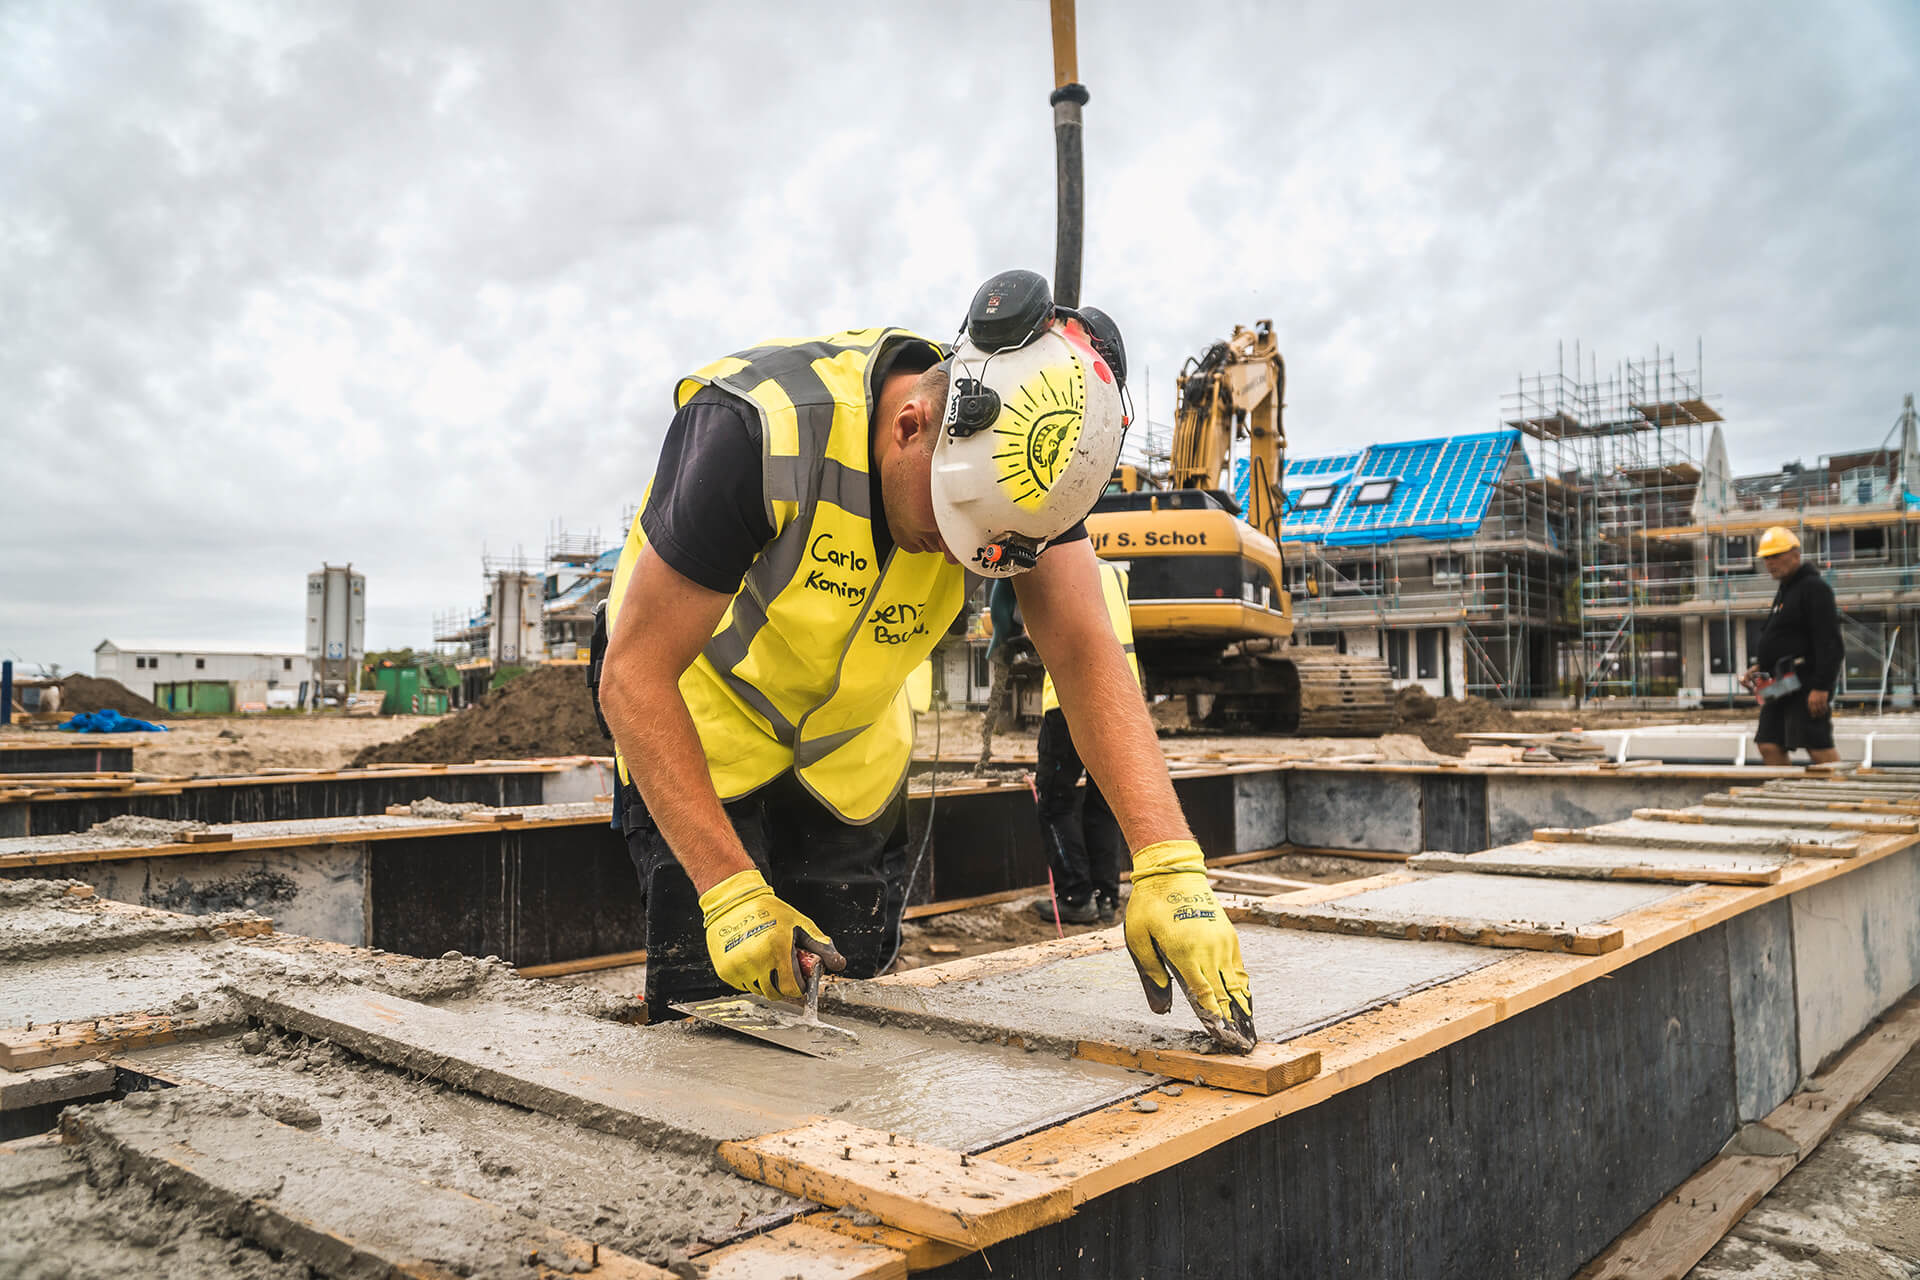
(777, 1021)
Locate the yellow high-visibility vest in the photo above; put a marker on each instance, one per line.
(1113, 593)
(808, 667)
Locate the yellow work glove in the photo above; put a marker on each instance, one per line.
(756, 941)
(1176, 926)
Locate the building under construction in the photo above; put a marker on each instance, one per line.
(1598, 546)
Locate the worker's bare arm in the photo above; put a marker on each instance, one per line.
(1067, 618)
(664, 622)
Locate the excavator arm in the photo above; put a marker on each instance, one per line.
(1235, 390)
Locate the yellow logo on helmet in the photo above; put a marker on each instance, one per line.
(1039, 424)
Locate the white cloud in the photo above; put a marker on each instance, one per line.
(391, 283)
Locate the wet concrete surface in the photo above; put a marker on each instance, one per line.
(1850, 1211)
(65, 1222)
(1759, 816)
(1465, 895)
(640, 1200)
(1603, 861)
(1694, 835)
(686, 1086)
(1301, 981)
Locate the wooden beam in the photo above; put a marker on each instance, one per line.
(585, 964)
(1578, 940)
(928, 1190)
(1267, 1070)
(25, 1047)
(803, 1251)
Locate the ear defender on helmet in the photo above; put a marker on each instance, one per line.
(1032, 427)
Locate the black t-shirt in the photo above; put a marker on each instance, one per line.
(707, 516)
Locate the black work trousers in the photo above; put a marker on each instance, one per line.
(851, 881)
(1083, 839)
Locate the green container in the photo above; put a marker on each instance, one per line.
(200, 697)
(402, 687)
(434, 702)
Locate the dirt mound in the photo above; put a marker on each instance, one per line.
(1438, 722)
(87, 693)
(546, 712)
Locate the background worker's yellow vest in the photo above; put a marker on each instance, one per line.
(808, 667)
(1113, 593)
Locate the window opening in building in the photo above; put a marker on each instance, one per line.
(1428, 653)
(1719, 646)
(1397, 654)
(1374, 493)
(1446, 570)
(1314, 499)
(1869, 544)
(286, 664)
(199, 664)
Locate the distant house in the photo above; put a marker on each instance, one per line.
(152, 671)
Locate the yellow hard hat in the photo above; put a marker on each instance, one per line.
(1778, 539)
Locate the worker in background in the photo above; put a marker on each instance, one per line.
(1009, 645)
(803, 545)
(1084, 843)
(1799, 659)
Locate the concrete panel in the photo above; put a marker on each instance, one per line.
(1453, 812)
(576, 785)
(1301, 981)
(318, 891)
(1516, 805)
(1550, 903)
(1327, 810)
(1259, 810)
(1856, 950)
(1766, 1055)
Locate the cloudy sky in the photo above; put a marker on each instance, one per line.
(398, 281)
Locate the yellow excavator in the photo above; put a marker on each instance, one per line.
(1211, 616)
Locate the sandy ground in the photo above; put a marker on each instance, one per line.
(241, 744)
(957, 734)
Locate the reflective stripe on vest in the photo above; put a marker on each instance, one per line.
(1113, 594)
(807, 669)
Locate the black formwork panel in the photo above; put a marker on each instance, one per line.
(273, 801)
(1453, 812)
(989, 841)
(77, 757)
(536, 895)
(1518, 1152)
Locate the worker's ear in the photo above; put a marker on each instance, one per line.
(915, 424)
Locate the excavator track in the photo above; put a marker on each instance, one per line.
(1341, 696)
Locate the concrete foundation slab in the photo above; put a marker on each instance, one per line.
(686, 1087)
(1549, 903)
(1301, 981)
(1610, 862)
(1690, 835)
(330, 1207)
(1766, 1055)
(1856, 950)
(646, 1202)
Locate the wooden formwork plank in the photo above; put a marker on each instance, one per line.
(1579, 940)
(803, 1251)
(1669, 1239)
(928, 1190)
(1268, 1069)
(25, 1047)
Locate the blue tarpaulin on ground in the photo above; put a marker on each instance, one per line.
(110, 721)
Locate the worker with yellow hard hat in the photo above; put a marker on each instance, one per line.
(1793, 671)
(804, 544)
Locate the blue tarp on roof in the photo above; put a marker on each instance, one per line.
(579, 588)
(1441, 490)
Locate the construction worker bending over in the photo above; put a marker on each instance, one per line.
(1799, 659)
(804, 543)
(1083, 839)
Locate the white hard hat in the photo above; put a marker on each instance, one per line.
(1029, 439)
